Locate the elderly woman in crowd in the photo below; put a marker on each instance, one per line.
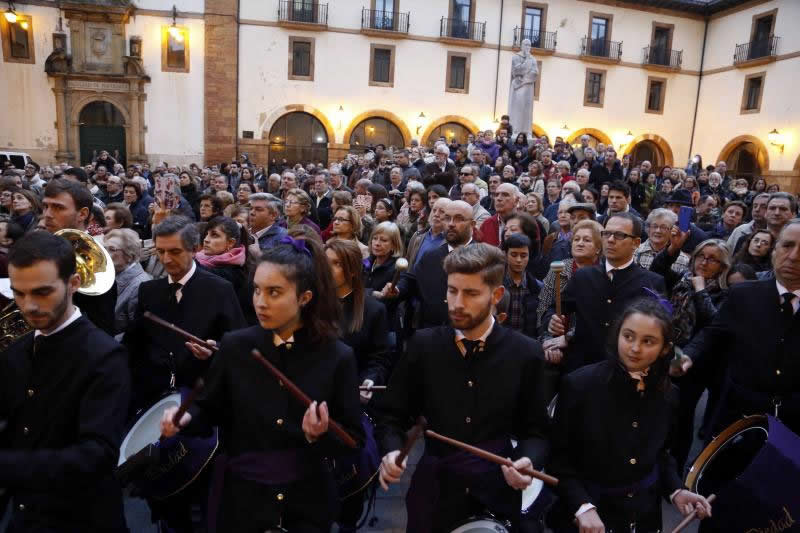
(243, 192)
(347, 227)
(533, 206)
(415, 201)
(756, 251)
(210, 206)
(659, 226)
(125, 249)
(25, 209)
(297, 208)
(696, 296)
(118, 216)
(137, 204)
(385, 247)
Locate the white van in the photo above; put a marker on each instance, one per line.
(18, 159)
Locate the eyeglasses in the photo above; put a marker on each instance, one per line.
(700, 258)
(291, 202)
(759, 242)
(341, 219)
(618, 235)
(659, 227)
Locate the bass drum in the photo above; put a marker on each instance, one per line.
(753, 467)
(162, 469)
(485, 524)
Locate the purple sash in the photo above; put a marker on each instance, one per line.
(464, 468)
(279, 467)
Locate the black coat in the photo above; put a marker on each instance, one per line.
(427, 281)
(370, 343)
(324, 214)
(606, 433)
(595, 302)
(600, 174)
(208, 309)
(99, 309)
(757, 342)
(241, 395)
(432, 175)
(237, 277)
(65, 408)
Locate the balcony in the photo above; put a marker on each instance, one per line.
(462, 32)
(389, 24)
(302, 14)
(756, 52)
(661, 59)
(542, 42)
(600, 50)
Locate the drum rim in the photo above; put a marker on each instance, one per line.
(718, 442)
(199, 470)
(135, 425)
(480, 518)
(539, 484)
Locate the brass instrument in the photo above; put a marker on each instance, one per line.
(92, 263)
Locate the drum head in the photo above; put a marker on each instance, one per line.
(481, 525)
(728, 455)
(147, 428)
(530, 494)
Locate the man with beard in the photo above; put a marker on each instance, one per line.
(473, 380)
(64, 392)
(426, 280)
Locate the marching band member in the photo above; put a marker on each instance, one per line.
(64, 393)
(614, 423)
(475, 381)
(275, 473)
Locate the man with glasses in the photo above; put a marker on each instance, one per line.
(471, 194)
(595, 296)
(466, 175)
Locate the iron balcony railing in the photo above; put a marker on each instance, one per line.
(756, 50)
(372, 19)
(463, 29)
(545, 40)
(601, 48)
(302, 11)
(657, 55)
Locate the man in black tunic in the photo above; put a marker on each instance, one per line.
(64, 393)
(475, 381)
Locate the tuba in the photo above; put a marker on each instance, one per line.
(92, 263)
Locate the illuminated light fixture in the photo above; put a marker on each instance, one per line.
(24, 24)
(563, 131)
(776, 139)
(627, 138)
(319, 139)
(420, 121)
(340, 115)
(176, 33)
(10, 14)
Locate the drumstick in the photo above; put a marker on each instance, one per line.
(413, 435)
(182, 332)
(302, 397)
(185, 405)
(558, 267)
(483, 454)
(400, 266)
(372, 387)
(691, 516)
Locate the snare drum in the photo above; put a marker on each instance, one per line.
(164, 468)
(753, 468)
(485, 524)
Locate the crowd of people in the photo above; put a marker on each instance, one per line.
(478, 282)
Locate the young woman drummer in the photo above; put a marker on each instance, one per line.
(613, 425)
(275, 474)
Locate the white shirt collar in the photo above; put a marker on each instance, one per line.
(609, 268)
(76, 314)
(450, 248)
(277, 340)
(782, 290)
(460, 335)
(187, 277)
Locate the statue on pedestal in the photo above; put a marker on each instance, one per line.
(524, 73)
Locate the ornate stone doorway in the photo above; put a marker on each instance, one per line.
(101, 127)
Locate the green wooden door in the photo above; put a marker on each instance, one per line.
(96, 138)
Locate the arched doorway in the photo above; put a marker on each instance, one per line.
(595, 137)
(374, 131)
(101, 127)
(450, 131)
(647, 151)
(298, 137)
(743, 162)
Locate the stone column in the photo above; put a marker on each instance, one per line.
(221, 67)
(135, 126)
(61, 119)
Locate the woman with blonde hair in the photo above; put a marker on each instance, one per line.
(297, 208)
(346, 225)
(385, 247)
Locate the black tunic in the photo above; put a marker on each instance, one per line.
(256, 414)
(607, 433)
(65, 408)
(370, 343)
(493, 395)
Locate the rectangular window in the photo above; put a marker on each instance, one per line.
(656, 91)
(534, 22)
(18, 39)
(457, 72)
(381, 65)
(600, 34)
(594, 92)
(301, 58)
(661, 43)
(761, 34)
(753, 89)
(174, 49)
